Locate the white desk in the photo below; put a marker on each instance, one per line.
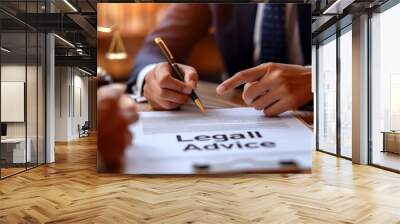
(18, 151)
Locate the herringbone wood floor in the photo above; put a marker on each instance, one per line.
(70, 191)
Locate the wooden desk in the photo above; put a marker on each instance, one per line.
(211, 99)
(391, 141)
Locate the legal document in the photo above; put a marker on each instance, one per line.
(218, 141)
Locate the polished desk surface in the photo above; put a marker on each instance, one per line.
(206, 92)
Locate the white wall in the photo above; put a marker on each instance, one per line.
(80, 101)
(71, 93)
(61, 103)
(50, 93)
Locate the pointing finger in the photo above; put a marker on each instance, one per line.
(245, 76)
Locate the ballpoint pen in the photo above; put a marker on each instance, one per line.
(177, 71)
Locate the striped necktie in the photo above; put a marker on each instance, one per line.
(273, 38)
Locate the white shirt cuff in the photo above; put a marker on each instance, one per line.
(138, 88)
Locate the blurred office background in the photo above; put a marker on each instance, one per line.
(134, 22)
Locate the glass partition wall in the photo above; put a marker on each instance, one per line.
(334, 94)
(13, 86)
(334, 88)
(385, 88)
(22, 77)
(326, 100)
(345, 93)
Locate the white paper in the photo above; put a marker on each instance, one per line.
(229, 140)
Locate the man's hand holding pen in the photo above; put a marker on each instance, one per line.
(169, 85)
(163, 91)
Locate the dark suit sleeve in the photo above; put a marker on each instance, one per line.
(181, 27)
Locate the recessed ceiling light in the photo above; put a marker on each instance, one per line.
(64, 40)
(70, 5)
(84, 71)
(5, 50)
(338, 6)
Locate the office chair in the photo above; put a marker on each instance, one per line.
(84, 130)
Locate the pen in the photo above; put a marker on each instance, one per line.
(177, 72)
